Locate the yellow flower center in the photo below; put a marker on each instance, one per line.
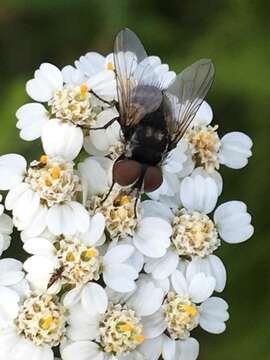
(118, 210)
(194, 234)
(80, 263)
(120, 330)
(44, 159)
(83, 91)
(56, 171)
(180, 315)
(41, 319)
(110, 66)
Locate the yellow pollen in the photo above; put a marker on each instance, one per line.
(88, 254)
(91, 252)
(44, 159)
(126, 327)
(83, 90)
(190, 310)
(46, 323)
(139, 338)
(124, 200)
(48, 182)
(55, 172)
(110, 66)
(70, 257)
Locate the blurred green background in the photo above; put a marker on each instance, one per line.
(235, 34)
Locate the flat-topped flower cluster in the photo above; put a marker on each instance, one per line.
(103, 281)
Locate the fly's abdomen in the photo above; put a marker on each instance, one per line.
(147, 144)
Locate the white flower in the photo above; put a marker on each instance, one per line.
(44, 195)
(233, 222)
(180, 314)
(107, 141)
(168, 192)
(81, 260)
(103, 327)
(235, 149)
(199, 193)
(12, 276)
(208, 150)
(6, 227)
(61, 139)
(95, 70)
(30, 326)
(176, 166)
(68, 102)
(196, 236)
(151, 235)
(204, 115)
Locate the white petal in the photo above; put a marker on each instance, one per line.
(72, 75)
(210, 266)
(168, 348)
(31, 118)
(96, 174)
(39, 246)
(187, 349)
(118, 254)
(80, 215)
(154, 325)
(12, 170)
(87, 350)
(8, 340)
(235, 150)
(153, 236)
(95, 230)
(147, 298)
(150, 208)
(10, 272)
(40, 269)
(201, 287)
(199, 193)
(47, 79)
(91, 63)
(103, 84)
(162, 267)
(14, 194)
(151, 348)
(213, 314)
(6, 225)
(83, 331)
(9, 307)
(203, 116)
(38, 222)
(26, 208)
(179, 283)
(72, 297)
(215, 175)
(94, 299)
(120, 277)
(233, 222)
(67, 219)
(61, 139)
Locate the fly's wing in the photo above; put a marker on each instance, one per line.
(138, 89)
(184, 97)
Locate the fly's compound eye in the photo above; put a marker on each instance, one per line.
(152, 179)
(126, 172)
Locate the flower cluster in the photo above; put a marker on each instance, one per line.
(104, 280)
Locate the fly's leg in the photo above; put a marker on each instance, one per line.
(136, 203)
(109, 123)
(108, 193)
(111, 103)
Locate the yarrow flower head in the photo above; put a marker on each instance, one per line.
(120, 217)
